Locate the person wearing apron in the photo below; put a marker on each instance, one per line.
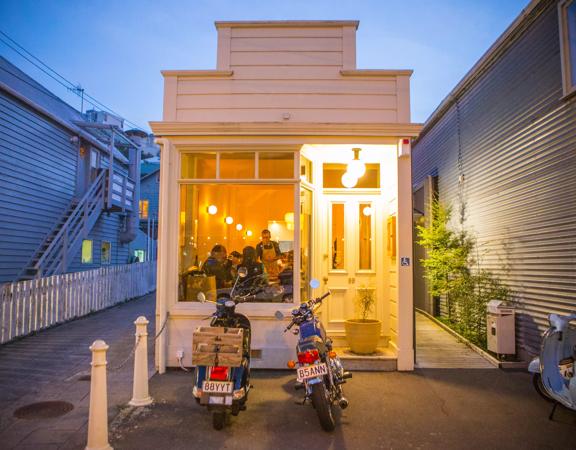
(269, 253)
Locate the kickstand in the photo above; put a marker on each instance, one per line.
(550, 417)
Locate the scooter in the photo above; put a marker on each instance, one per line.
(319, 370)
(221, 354)
(553, 373)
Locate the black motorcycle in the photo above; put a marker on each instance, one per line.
(222, 354)
(318, 370)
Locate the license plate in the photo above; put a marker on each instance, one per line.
(217, 387)
(313, 371)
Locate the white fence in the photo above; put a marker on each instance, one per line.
(29, 306)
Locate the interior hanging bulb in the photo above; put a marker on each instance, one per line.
(349, 180)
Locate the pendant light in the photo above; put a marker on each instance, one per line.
(356, 167)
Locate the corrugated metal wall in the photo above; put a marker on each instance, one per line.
(518, 143)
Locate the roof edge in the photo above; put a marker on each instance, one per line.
(485, 61)
(286, 23)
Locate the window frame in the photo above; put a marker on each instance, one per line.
(102, 261)
(82, 260)
(141, 202)
(567, 64)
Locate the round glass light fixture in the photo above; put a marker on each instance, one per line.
(239, 226)
(349, 180)
(229, 220)
(289, 217)
(248, 233)
(356, 168)
(367, 211)
(212, 209)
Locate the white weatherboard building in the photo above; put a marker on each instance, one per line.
(263, 142)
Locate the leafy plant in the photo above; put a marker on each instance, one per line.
(455, 275)
(365, 302)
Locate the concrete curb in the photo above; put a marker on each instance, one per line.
(487, 356)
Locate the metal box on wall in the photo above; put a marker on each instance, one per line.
(500, 323)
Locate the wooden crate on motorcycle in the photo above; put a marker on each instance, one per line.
(217, 346)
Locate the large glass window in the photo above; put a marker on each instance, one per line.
(198, 165)
(223, 227)
(237, 165)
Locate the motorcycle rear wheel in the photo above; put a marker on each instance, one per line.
(218, 419)
(323, 407)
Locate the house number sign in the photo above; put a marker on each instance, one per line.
(404, 261)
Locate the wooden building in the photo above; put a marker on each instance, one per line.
(68, 185)
(266, 141)
(504, 141)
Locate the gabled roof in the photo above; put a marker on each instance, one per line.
(28, 90)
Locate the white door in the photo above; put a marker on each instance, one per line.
(352, 235)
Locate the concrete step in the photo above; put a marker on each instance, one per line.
(383, 360)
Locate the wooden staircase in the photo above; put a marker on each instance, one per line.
(65, 239)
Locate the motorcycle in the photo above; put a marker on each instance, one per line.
(553, 373)
(319, 370)
(221, 354)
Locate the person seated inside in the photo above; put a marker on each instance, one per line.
(256, 273)
(235, 259)
(219, 266)
(268, 252)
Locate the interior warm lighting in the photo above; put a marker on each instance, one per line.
(289, 217)
(249, 233)
(367, 211)
(356, 167)
(349, 180)
(229, 220)
(239, 226)
(212, 209)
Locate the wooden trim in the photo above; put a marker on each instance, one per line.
(567, 86)
(376, 72)
(197, 73)
(287, 24)
(285, 129)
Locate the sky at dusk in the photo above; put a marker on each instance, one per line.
(116, 49)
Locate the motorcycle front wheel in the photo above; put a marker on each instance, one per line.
(323, 406)
(537, 383)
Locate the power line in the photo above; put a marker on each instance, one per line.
(45, 68)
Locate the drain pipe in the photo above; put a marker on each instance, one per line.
(132, 219)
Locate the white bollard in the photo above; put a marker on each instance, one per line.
(98, 414)
(140, 395)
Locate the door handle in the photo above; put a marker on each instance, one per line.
(325, 280)
(351, 280)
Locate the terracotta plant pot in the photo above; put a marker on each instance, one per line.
(363, 335)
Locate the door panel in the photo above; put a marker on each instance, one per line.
(350, 255)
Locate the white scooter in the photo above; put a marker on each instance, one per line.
(553, 371)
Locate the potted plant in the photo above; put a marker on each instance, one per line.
(363, 334)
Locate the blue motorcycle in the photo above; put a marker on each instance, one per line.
(319, 371)
(221, 353)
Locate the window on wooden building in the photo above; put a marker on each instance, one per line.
(105, 252)
(87, 251)
(568, 44)
(143, 205)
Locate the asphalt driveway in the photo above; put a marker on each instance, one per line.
(428, 408)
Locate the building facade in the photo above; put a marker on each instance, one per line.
(503, 146)
(265, 142)
(68, 185)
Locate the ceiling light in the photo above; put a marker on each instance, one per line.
(349, 180)
(229, 220)
(239, 226)
(212, 209)
(356, 167)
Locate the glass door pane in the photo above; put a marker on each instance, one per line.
(365, 214)
(337, 236)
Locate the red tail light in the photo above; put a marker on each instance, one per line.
(308, 357)
(219, 373)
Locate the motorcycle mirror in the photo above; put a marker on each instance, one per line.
(279, 315)
(314, 283)
(242, 272)
(201, 297)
